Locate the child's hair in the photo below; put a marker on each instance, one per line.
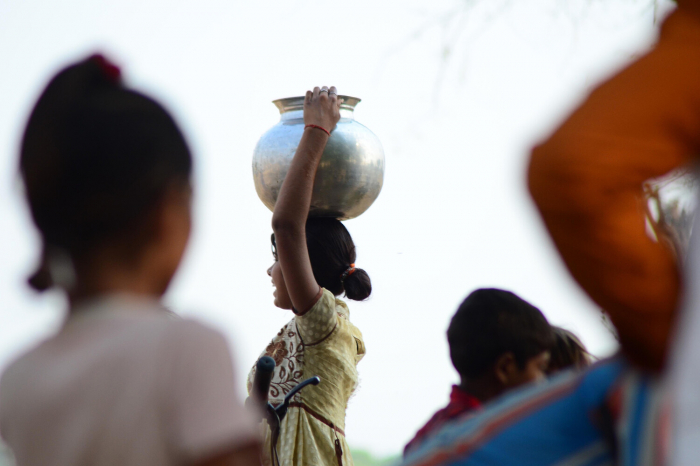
(332, 253)
(567, 352)
(96, 158)
(490, 323)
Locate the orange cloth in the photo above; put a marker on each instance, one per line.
(587, 183)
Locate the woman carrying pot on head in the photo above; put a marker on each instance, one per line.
(107, 176)
(314, 263)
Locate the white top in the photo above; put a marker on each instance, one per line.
(123, 383)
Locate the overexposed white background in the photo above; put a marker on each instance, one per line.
(458, 91)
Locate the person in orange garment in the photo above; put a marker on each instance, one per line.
(587, 183)
(586, 180)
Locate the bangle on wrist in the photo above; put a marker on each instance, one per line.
(318, 127)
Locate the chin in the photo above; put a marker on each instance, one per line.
(281, 306)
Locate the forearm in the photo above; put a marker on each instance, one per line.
(294, 200)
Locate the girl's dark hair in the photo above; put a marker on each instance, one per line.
(567, 352)
(332, 251)
(96, 157)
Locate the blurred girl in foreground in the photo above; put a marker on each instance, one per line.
(107, 178)
(314, 263)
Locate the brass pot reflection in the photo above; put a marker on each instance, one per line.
(350, 174)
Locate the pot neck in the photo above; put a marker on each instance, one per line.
(292, 108)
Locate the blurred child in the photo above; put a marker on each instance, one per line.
(568, 352)
(498, 341)
(107, 175)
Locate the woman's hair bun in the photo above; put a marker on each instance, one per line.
(332, 255)
(109, 70)
(357, 285)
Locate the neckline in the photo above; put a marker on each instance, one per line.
(116, 304)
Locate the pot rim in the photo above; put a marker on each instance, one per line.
(290, 104)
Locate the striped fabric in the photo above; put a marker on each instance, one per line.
(576, 419)
(642, 422)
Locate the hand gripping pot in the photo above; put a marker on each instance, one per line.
(350, 174)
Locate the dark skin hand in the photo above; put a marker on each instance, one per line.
(321, 108)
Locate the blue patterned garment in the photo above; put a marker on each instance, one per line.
(608, 414)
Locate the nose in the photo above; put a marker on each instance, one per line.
(269, 271)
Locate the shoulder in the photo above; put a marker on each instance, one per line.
(24, 365)
(189, 340)
(325, 302)
(191, 330)
(322, 310)
(435, 422)
(320, 322)
(13, 373)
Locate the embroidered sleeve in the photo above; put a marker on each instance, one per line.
(320, 321)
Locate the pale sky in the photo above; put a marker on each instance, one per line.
(457, 91)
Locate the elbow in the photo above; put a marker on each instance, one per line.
(558, 181)
(539, 179)
(282, 225)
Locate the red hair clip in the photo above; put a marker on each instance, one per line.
(349, 271)
(109, 69)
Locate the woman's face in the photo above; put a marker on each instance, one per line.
(282, 299)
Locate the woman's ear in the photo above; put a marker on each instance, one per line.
(506, 369)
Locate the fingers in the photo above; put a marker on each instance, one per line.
(323, 96)
(322, 107)
(333, 94)
(319, 92)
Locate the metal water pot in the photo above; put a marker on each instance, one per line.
(350, 174)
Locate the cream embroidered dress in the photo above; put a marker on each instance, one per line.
(322, 342)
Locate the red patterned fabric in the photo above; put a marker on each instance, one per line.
(460, 403)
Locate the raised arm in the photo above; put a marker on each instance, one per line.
(587, 183)
(321, 113)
